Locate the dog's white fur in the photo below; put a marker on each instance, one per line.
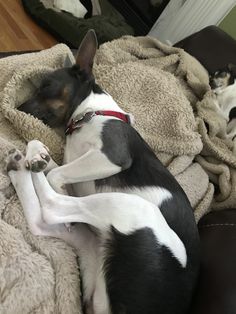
(127, 210)
(46, 212)
(225, 100)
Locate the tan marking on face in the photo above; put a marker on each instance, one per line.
(65, 92)
(59, 107)
(56, 104)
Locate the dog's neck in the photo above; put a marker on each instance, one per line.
(95, 102)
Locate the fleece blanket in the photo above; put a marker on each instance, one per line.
(167, 91)
(38, 275)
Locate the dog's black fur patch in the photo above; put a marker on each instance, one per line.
(232, 114)
(141, 168)
(126, 148)
(142, 276)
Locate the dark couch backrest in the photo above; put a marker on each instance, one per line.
(214, 48)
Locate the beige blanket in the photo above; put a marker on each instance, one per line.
(37, 275)
(163, 87)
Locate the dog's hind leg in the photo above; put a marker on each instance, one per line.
(80, 237)
(124, 212)
(23, 184)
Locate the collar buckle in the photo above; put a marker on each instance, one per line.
(81, 119)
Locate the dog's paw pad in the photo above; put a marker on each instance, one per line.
(45, 157)
(37, 156)
(37, 165)
(14, 160)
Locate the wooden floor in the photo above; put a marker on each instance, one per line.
(18, 31)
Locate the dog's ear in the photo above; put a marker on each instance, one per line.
(232, 68)
(87, 51)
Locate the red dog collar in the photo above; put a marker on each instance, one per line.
(78, 122)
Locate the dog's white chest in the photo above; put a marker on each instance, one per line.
(82, 140)
(90, 134)
(77, 144)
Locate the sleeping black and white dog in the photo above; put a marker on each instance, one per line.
(223, 83)
(134, 228)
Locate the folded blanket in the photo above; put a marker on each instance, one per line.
(168, 92)
(38, 274)
(164, 88)
(218, 157)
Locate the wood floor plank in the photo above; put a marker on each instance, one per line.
(18, 31)
(27, 25)
(12, 23)
(8, 40)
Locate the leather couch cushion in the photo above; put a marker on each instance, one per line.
(216, 291)
(212, 47)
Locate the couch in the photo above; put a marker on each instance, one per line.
(216, 289)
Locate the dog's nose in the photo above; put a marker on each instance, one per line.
(26, 106)
(30, 106)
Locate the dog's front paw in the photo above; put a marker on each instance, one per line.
(37, 156)
(14, 160)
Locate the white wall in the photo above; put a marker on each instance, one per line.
(182, 18)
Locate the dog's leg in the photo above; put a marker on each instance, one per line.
(125, 212)
(21, 179)
(38, 158)
(100, 210)
(92, 165)
(22, 182)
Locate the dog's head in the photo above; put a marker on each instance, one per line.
(63, 90)
(223, 78)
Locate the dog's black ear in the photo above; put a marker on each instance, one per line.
(232, 68)
(87, 51)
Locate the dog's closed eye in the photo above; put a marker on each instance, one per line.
(50, 89)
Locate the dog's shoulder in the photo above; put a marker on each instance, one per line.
(122, 143)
